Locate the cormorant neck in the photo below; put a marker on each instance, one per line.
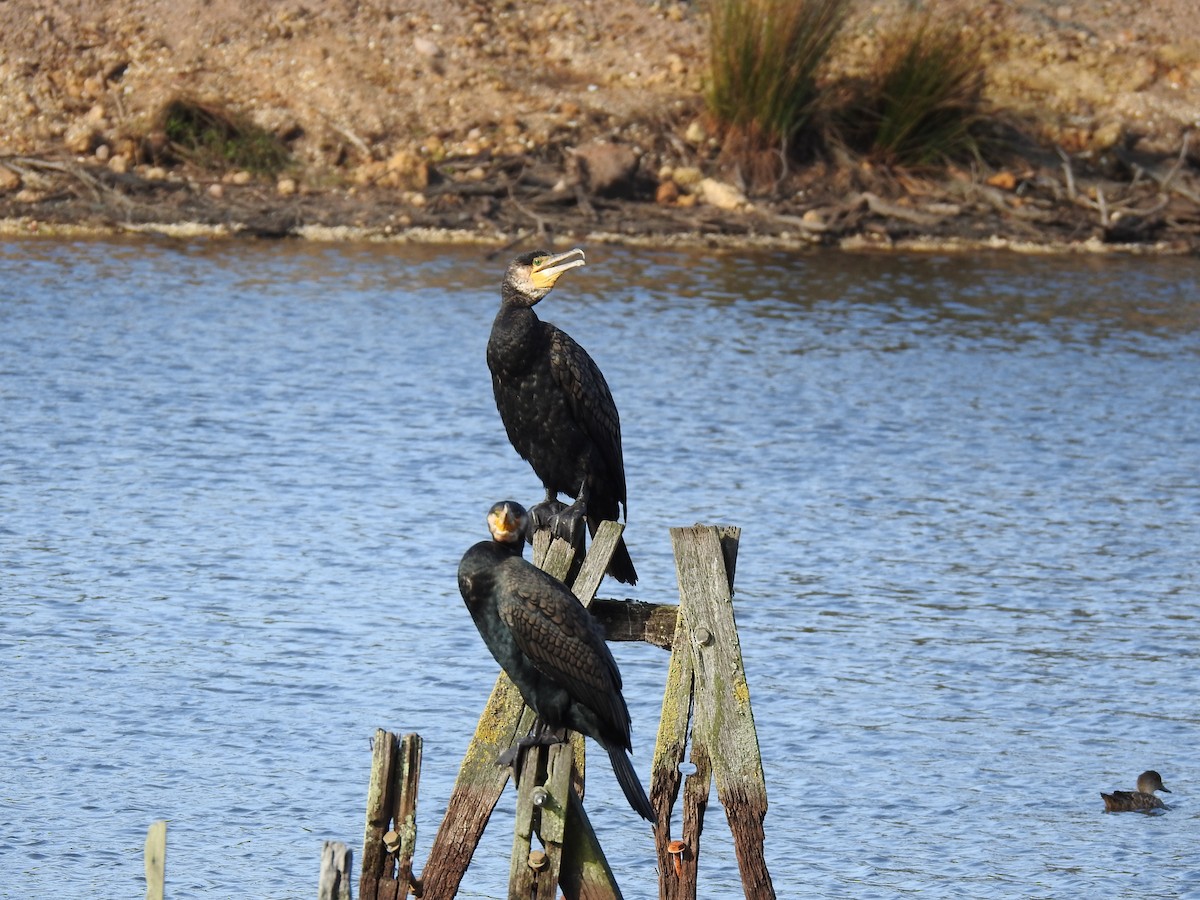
(511, 298)
(510, 548)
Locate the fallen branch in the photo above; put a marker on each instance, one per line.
(1071, 193)
(881, 207)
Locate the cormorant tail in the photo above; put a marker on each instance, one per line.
(620, 566)
(628, 779)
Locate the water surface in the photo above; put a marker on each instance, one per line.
(236, 479)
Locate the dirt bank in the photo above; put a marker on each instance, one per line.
(496, 120)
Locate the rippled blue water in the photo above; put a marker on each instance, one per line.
(235, 481)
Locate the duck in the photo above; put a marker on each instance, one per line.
(1141, 800)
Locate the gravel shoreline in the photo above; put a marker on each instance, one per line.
(424, 120)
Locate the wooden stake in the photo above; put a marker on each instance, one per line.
(379, 808)
(156, 859)
(723, 732)
(336, 864)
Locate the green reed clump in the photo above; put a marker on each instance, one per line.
(764, 57)
(212, 138)
(922, 104)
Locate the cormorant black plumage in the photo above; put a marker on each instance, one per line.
(556, 405)
(550, 646)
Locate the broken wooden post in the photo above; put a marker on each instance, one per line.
(391, 830)
(706, 680)
(155, 859)
(337, 863)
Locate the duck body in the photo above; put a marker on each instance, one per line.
(1142, 800)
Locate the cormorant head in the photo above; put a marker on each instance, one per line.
(531, 275)
(509, 523)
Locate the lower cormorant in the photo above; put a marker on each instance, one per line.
(548, 643)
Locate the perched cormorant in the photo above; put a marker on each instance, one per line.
(556, 407)
(550, 646)
(1141, 800)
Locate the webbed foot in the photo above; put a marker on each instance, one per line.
(562, 521)
(541, 736)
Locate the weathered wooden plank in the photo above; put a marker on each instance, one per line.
(379, 808)
(696, 788)
(669, 750)
(155, 859)
(542, 803)
(337, 863)
(637, 620)
(724, 721)
(585, 873)
(552, 811)
(591, 573)
(406, 779)
(521, 874)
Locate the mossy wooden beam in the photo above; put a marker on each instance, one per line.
(542, 802)
(406, 773)
(637, 620)
(585, 874)
(674, 881)
(378, 813)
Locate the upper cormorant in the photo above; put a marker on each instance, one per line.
(1141, 800)
(556, 405)
(550, 646)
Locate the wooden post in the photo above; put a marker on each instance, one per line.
(378, 814)
(676, 872)
(585, 871)
(155, 859)
(391, 828)
(724, 740)
(337, 863)
(404, 808)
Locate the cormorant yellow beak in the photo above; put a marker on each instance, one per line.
(505, 525)
(547, 269)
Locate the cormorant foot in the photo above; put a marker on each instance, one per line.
(544, 515)
(542, 736)
(562, 521)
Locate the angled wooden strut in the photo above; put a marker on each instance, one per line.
(548, 801)
(706, 683)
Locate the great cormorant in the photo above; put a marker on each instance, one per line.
(550, 646)
(556, 406)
